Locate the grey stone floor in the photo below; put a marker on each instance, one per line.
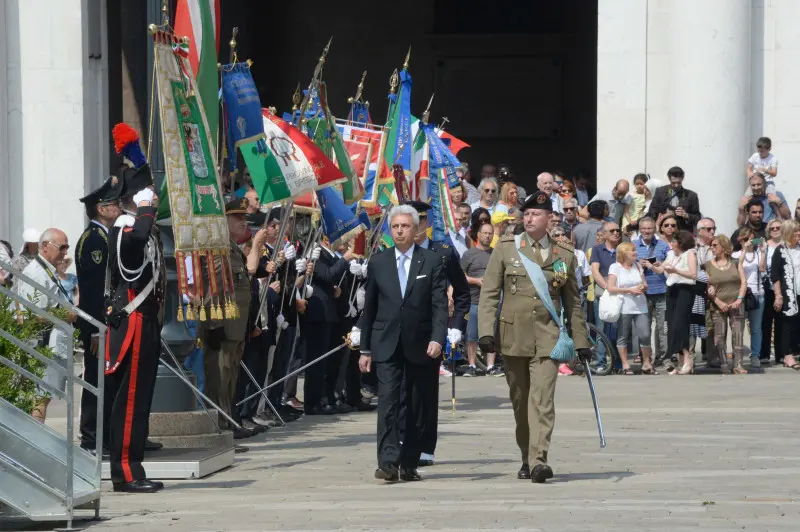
(684, 453)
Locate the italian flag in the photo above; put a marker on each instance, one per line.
(200, 21)
(456, 144)
(287, 163)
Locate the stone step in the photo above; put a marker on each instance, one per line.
(164, 424)
(195, 441)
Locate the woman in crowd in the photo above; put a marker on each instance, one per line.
(480, 216)
(752, 260)
(785, 276)
(726, 289)
(509, 195)
(458, 195)
(681, 269)
(567, 190)
(770, 322)
(667, 228)
(625, 277)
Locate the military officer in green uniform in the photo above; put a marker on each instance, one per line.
(526, 332)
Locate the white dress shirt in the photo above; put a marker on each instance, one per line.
(459, 240)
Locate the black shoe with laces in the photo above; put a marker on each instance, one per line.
(469, 371)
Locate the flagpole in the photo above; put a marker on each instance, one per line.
(314, 80)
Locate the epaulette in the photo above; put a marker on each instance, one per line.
(507, 238)
(125, 220)
(565, 244)
(445, 246)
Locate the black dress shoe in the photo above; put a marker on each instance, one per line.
(150, 445)
(321, 410)
(387, 473)
(242, 433)
(139, 486)
(524, 472)
(362, 406)
(343, 408)
(410, 475)
(541, 472)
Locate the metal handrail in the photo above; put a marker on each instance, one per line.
(70, 377)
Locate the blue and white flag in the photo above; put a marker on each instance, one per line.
(244, 120)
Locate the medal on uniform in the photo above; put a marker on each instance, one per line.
(560, 273)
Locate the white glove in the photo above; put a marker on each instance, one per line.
(315, 252)
(361, 295)
(281, 321)
(355, 268)
(355, 337)
(364, 270)
(300, 266)
(454, 336)
(309, 291)
(146, 194)
(289, 252)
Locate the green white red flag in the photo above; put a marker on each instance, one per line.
(287, 163)
(199, 20)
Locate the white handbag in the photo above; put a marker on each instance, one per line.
(610, 307)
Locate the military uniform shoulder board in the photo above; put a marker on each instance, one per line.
(507, 238)
(565, 244)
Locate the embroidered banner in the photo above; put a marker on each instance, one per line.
(242, 108)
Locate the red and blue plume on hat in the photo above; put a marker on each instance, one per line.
(126, 143)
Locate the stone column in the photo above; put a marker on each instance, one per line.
(709, 99)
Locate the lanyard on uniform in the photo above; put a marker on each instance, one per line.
(52, 277)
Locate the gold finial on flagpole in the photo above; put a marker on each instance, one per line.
(165, 14)
(297, 97)
(408, 58)
(394, 80)
(426, 115)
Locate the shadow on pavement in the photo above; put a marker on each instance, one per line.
(616, 476)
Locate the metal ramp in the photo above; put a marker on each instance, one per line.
(43, 475)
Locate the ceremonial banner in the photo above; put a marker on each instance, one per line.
(195, 198)
(199, 20)
(442, 166)
(364, 146)
(338, 221)
(359, 114)
(454, 144)
(242, 108)
(352, 190)
(292, 163)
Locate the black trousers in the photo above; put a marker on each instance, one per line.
(352, 377)
(429, 430)
(680, 298)
(130, 390)
(419, 379)
(88, 419)
(255, 357)
(318, 342)
(771, 320)
(336, 361)
(280, 365)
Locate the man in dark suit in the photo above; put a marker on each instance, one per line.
(404, 326)
(678, 200)
(322, 320)
(458, 324)
(91, 258)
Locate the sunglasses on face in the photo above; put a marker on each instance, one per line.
(613, 231)
(62, 248)
(708, 228)
(669, 225)
(774, 229)
(569, 209)
(490, 190)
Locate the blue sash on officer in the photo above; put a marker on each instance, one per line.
(564, 350)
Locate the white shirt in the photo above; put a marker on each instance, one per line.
(459, 240)
(584, 269)
(629, 278)
(38, 274)
(4, 257)
(682, 263)
(751, 263)
(409, 254)
(497, 207)
(558, 203)
(759, 164)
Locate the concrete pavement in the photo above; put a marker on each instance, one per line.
(684, 452)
